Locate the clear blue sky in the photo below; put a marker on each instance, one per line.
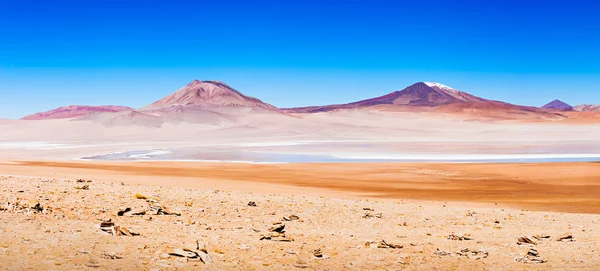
(294, 53)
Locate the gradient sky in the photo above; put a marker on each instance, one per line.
(294, 53)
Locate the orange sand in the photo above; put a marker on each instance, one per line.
(564, 187)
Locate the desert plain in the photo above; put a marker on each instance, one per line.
(252, 187)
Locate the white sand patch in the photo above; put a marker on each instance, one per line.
(30, 145)
(149, 154)
(462, 157)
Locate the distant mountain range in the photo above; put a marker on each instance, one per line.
(74, 111)
(215, 102)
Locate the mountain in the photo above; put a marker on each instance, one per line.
(587, 108)
(209, 94)
(74, 111)
(418, 94)
(558, 105)
(210, 103)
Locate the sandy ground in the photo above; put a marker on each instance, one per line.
(63, 233)
(561, 187)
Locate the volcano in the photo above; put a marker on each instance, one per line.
(419, 94)
(211, 94)
(558, 105)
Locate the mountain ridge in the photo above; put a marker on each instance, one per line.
(74, 111)
(417, 94)
(215, 102)
(587, 108)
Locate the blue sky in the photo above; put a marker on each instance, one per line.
(294, 53)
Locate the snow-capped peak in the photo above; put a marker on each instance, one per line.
(440, 86)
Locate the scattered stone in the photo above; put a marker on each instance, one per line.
(291, 218)
(140, 196)
(106, 223)
(533, 252)
(114, 230)
(532, 256)
(370, 215)
(459, 237)
(199, 252)
(525, 240)
(541, 236)
(566, 238)
(142, 212)
(277, 228)
(111, 256)
(126, 232)
(318, 254)
(384, 244)
(280, 238)
(80, 180)
(369, 209)
(179, 252)
(84, 187)
(277, 233)
(157, 209)
(122, 211)
(442, 253)
(473, 254)
(252, 204)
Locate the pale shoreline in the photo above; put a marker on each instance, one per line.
(159, 151)
(154, 155)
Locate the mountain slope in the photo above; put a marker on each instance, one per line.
(209, 94)
(74, 111)
(558, 105)
(418, 94)
(587, 108)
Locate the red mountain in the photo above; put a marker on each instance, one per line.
(209, 94)
(419, 94)
(74, 111)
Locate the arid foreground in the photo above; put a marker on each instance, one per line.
(55, 224)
